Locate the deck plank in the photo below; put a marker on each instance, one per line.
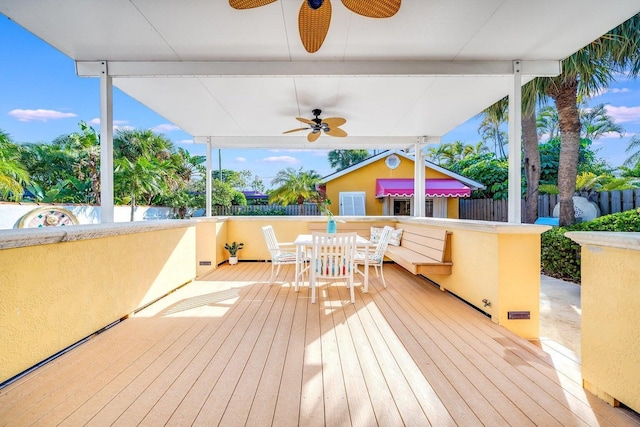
(232, 350)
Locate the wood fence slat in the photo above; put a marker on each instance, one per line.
(627, 200)
(497, 210)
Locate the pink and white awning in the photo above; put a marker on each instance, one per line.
(403, 187)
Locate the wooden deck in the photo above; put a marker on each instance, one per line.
(232, 350)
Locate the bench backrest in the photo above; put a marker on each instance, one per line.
(430, 242)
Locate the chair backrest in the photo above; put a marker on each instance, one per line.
(383, 242)
(333, 254)
(270, 238)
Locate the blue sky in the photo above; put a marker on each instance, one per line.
(41, 98)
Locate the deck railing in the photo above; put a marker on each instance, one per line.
(64, 284)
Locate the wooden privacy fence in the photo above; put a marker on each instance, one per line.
(307, 210)
(496, 210)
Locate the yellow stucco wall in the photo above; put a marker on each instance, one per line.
(364, 179)
(209, 254)
(248, 230)
(53, 295)
(610, 339)
(502, 267)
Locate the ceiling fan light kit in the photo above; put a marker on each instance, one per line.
(314, 17)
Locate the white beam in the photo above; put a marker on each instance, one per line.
(106, 145)
(208, 178)
(418, 182)
(547, 68)
(300, 142)
(515, 146)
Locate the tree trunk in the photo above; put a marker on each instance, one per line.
(565, 97)
(133, 206)
(531, 163)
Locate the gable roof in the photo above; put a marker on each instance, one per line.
(473, 185)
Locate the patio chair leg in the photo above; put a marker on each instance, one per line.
(272, 276)
(382, 276)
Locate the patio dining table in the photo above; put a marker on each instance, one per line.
(304, 240)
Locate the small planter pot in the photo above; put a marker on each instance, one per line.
(233, 260)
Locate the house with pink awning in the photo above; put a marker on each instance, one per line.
(384, 185)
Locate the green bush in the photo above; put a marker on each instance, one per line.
(560, 256)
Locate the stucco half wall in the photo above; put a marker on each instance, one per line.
(610, 292)
(61, 285)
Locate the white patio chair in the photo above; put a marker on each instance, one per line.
(376, 255)
(332, 257)
(281, 253)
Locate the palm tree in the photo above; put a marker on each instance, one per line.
(547, 122)
(86, 147)
(294, 187)
(597, 123)
(139, 178)
(633, 147)
(532, 163)
(134, 143)
(341, 159)
(437, 154)
(13, 175)
(584, 73)
(494, 116)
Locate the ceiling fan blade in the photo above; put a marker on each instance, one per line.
(307, 121)
(334, 121)
(373, 8)
(336, 132)
(248, 4)
(295, 130)
(313, 25)
(313, 136)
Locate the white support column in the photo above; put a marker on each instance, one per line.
(106, 146)
(515, 145)
(419, 177)
(208, 181)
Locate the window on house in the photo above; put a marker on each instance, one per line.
(428, 208)
(352, 203)
(401, 207)
(439, 207)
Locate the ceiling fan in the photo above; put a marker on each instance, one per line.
(315, 15)
(317, 126)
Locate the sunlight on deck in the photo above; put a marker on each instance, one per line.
(233, 350)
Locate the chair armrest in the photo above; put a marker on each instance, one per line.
(287, 245)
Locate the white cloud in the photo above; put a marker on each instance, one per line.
(612, 135)
(186, 141)
(240, 159)
(624, 114)
(39, 115)
(281, 159)
(166, 127)
(615, 90)
(621, 90)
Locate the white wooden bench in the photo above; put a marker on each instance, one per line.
(423, 250)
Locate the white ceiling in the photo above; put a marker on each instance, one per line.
(241, 77)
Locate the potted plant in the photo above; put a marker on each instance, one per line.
(233, 249)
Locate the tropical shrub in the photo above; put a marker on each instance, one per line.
(560, 256)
